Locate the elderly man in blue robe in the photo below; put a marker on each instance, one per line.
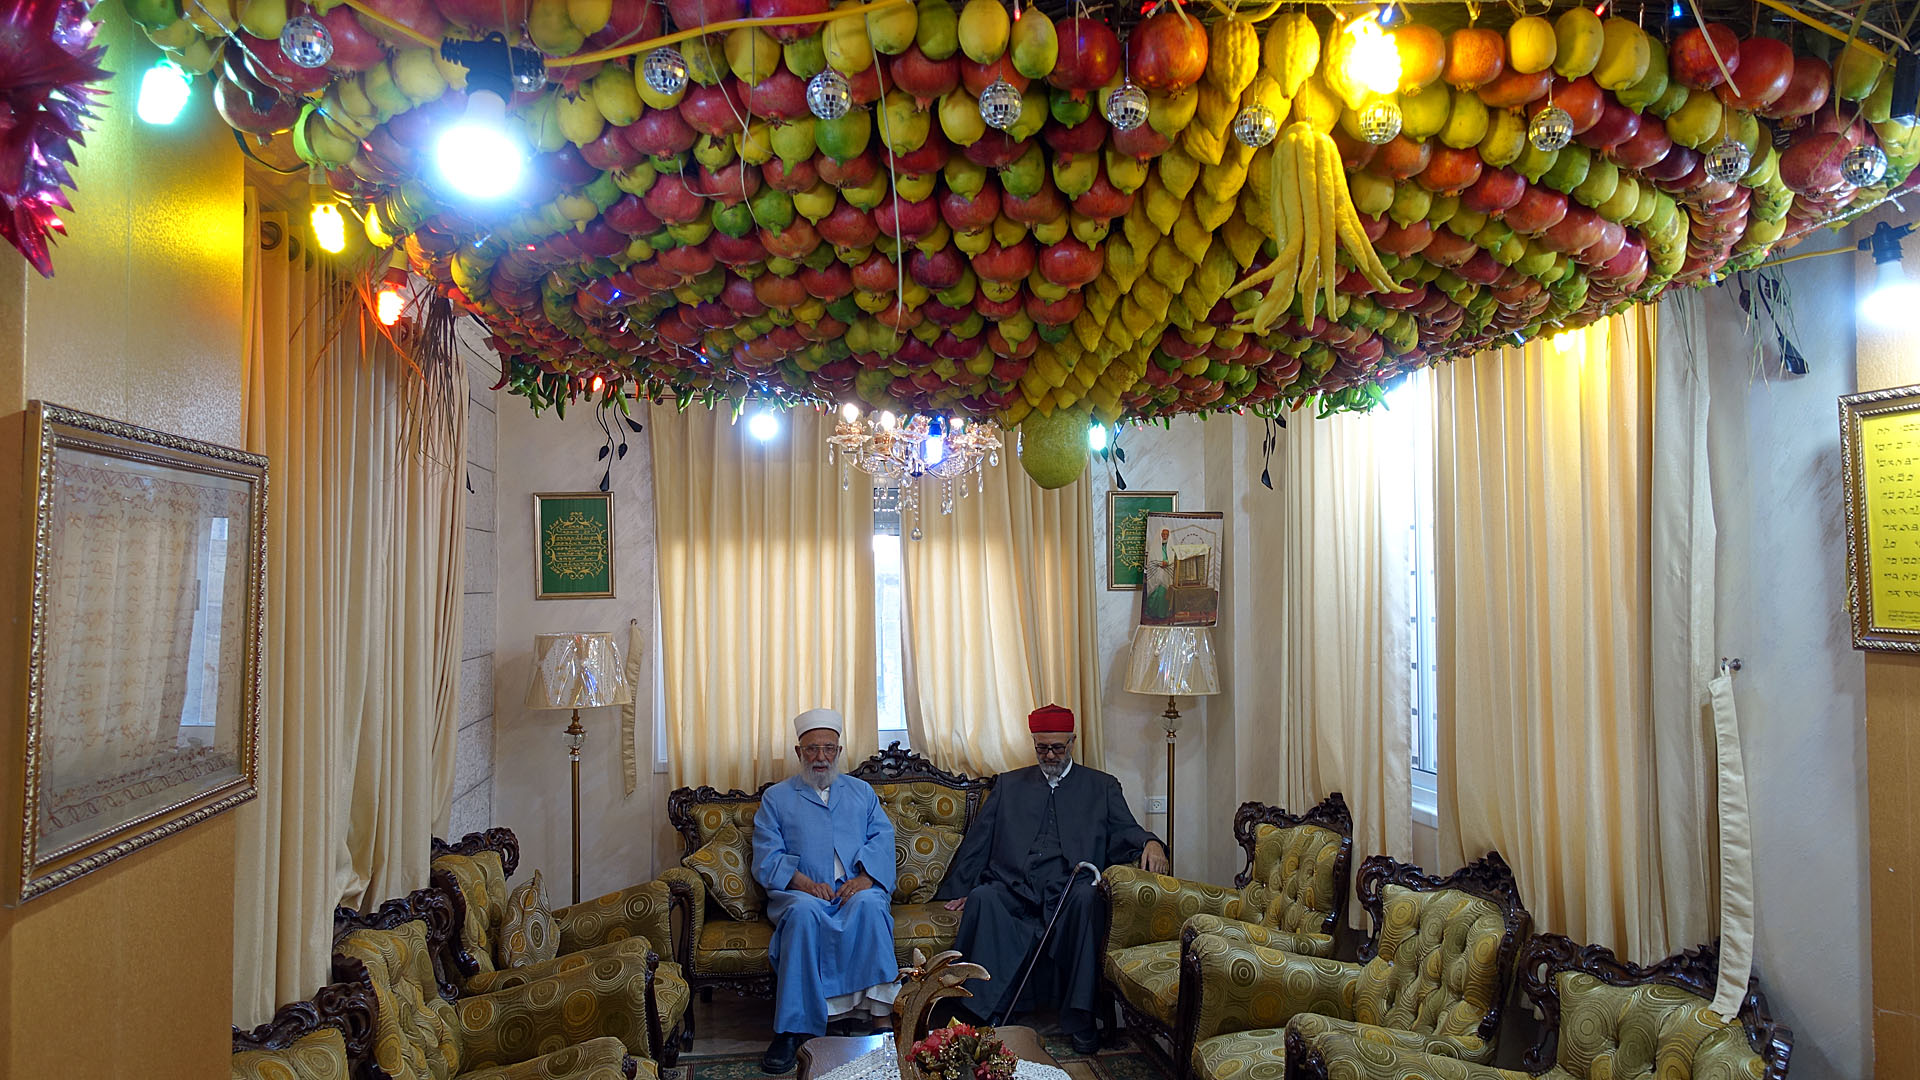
(823, 850)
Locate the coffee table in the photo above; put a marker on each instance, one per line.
(827, 1053)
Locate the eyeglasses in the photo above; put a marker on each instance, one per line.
(819, 753)
(1052, 749)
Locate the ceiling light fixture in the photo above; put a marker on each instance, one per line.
(478, 156)
(164, 90)
(1894, 296)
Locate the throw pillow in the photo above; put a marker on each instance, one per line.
(528, 933)
(725, 863)
(920, 860)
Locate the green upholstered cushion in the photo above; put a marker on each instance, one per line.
(725, 863)
(317, 1055)
(528, 934)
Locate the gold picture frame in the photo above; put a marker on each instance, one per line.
(573, 545)
(1880, 472)
(143, 666)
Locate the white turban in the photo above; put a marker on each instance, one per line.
(817, 718)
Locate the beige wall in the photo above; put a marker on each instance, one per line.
(1892, 358)
(133, 963)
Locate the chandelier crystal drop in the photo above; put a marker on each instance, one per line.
(903, 453)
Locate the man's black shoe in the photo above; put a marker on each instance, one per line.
(781, 1054)
(1085, 1042)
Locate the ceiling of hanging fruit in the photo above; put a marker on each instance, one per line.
(984, 212)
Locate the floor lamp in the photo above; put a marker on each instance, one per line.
(1176, 661)
(577, 671)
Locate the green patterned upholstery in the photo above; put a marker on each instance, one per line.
(1608, 1020)
(611, 941)
(1294, 882)
(725, 864)
(317, 1055)
(601, 1059)
(418, 1035)
(930, 811)
(1436, 973)
(528, 935)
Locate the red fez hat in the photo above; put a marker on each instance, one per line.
(1050, 718)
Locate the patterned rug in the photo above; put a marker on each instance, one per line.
(1123, 1061)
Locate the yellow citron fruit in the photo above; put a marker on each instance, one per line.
(580, 119)
(984, 30)
(1168, 114)
(936, 29)
(706, 59)
(1034, 44)
(552, 29)
(1233, 56)
(616, 96)
(1647, 89)
(752, 54)
(848, 50)
(590, 16)
(755, 145)
(1624, 54)
(960, 117)
(1466, 121)
(264, 18)
(1531, 45)
(1856, 72)
(1506, 138)
(1578, 38)
(1291, 51)
(176, 35)
(891, 29)
(1317, 105)
(210, 17)
(654, 99)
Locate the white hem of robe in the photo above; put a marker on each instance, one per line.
(876, 999)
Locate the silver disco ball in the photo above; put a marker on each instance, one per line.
(1550, 129)
(665, 71)
(1380, 122)
(1728, 161)
(1255, 126)
(306, 41)
(1127, 107)
(828, 95)
(1000, 105)
(1864, 166)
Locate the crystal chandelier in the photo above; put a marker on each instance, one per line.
(903, 453)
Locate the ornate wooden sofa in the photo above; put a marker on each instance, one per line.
(405, 953)
(1294, 884)
(327, 1037)
(931, 810)
(1604, 1017)
(628, 927)
(1434, 973)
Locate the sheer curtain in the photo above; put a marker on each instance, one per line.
(1338, 589)
(766, 594)
(365, 562)
(1000, 620)
(1552, 746)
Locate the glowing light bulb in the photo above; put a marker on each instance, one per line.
(1097, 438)
(850, 412)
(934, 450)
(1893, 299)
(477, 157)
(1373, 61)
(764, 425)
(329, 228)
(164, 90)
(888, 421)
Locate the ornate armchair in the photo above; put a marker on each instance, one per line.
(1605, 1017)
(1294, 885)
(329, 1037)
(930, 809)
(1434, 972)
(535, 1031)
(624, 928)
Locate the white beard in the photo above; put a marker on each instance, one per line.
(1052, 770)
(820, 779)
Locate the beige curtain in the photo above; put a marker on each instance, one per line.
(766, 593)
(1000, 620)
(364, 572)
(1337, 580)
(1545, 557)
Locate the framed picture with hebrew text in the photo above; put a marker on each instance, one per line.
(143, 661)
(1127, 534)
(573, 542)
(1880, 464)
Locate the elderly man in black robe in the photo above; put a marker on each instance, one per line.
(1018, 862)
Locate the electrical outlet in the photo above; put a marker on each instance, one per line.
(1156, 804)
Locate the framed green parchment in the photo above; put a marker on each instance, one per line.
(1127, 533)
(573, 544)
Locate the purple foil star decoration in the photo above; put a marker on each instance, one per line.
(49, 68)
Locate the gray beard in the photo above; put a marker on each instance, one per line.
(1052, 771)
(820, 779)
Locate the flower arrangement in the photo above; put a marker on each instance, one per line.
(962, 1052)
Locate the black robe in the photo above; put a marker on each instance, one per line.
(1012, 869)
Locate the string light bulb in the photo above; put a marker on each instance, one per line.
(1373, 61)
(329, 227)
(390, 299)
(164, 90)
(478, 156)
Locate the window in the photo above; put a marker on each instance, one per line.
(198, 713)
(1413, 401)
(889, 612)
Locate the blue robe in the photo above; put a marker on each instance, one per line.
(822, 950)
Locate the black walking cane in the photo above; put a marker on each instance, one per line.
(1045, 935)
